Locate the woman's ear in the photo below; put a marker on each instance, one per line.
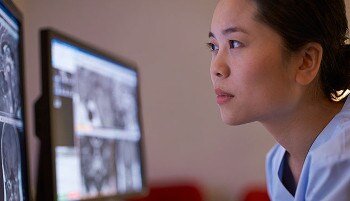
(311, 55)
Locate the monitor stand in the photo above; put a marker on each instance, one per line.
(44, 190)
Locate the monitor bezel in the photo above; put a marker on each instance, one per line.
(47, 35)
(17, 14)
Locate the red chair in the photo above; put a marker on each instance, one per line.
(256, 194)
(172, 192)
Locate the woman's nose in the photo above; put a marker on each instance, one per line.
(219, 66)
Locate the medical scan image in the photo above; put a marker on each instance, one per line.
(10, 155)
(128, 166)
(9, 83)
(10, 115)
(97, 164)
(104, 102)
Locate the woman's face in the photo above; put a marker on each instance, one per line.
(251, 71)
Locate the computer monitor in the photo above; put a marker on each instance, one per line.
(13, 154)
(89, 123)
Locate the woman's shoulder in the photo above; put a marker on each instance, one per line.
(325, 172)
(327, 167)
(334, 144)
(334, 140)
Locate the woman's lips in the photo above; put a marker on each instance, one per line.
(222, 97)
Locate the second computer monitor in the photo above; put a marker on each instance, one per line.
(94, 120)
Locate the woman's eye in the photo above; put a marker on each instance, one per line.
(235, 44)
(212, 47)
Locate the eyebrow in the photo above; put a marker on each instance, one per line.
(229, 30)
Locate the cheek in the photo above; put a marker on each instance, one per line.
(263, 78)
(250, 72)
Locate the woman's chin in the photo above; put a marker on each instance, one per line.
(233, 121)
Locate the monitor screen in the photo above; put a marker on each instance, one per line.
(95, 126)
(13, 158)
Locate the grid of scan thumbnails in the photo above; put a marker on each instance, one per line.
(102, 156)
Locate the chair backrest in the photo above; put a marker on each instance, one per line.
(174, 192)
(256, 194)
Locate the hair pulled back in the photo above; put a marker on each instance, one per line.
(323, 21)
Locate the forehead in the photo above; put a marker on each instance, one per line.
(233, 13)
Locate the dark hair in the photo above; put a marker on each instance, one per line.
(323, 21)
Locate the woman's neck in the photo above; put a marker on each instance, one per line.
(297, 131)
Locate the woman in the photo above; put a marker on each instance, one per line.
(284, 63)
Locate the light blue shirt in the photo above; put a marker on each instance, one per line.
(326, 172)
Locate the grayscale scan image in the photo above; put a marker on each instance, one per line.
(10, 116)
(128, 166)
(97, 164)
(107, 102)
(10, 155)
(9, 70)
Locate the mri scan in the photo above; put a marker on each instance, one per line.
(10, 116)
(97, 164)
